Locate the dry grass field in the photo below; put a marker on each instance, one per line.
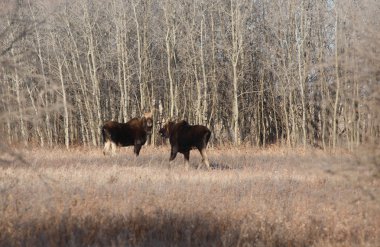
(251, 197)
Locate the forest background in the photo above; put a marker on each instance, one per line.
(298, 72)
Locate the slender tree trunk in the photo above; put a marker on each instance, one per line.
(171, 83)
(214, 108)
(66, 112)
(93, 67)
(204, 96)
(24, 135)
(299, 37)
(334, 137)
(139, 59)
(43, 73)
(236, 49)
(36, 112)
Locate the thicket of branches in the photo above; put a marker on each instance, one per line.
(300, 72)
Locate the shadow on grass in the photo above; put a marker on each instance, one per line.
(219, 166)
(159, 228)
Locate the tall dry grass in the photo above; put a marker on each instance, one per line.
(251, 197)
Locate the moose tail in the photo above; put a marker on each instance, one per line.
(206, 137)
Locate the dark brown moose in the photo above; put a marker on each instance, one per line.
(133, 133)
(183, 137)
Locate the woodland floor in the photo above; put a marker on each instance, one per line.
(250, 197)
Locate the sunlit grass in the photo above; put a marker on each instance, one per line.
(270, 197)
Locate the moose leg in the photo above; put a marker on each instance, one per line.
(137, 149)
(173, 154)
(106, 148)
(186, 156)
(204, 158)
(113, 148)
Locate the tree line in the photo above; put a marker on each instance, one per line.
(256, 72)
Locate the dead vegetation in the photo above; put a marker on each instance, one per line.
(252, 197)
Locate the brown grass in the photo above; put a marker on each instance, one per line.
(251, 197)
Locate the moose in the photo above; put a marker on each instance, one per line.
(183, 137)
(133, 133)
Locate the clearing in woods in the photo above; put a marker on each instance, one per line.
(271, 197)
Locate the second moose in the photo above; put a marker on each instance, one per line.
(183, 137)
